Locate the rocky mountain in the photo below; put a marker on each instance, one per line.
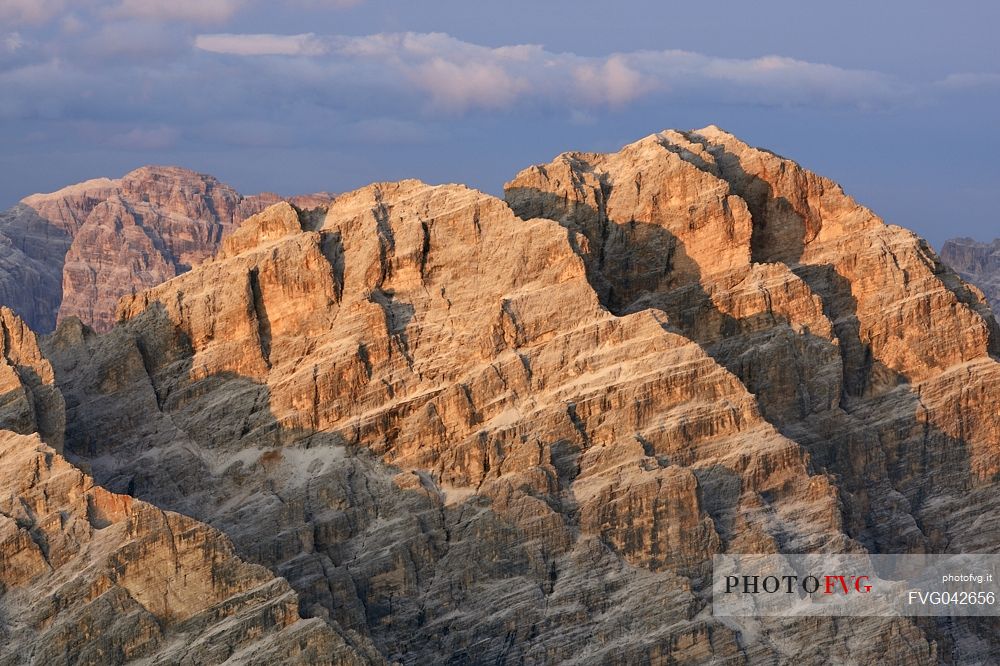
(978, 263)
(92, 577)
(473, 430)
(76, 251)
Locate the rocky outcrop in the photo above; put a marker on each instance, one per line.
(465, 454)
(91, 577)
(469, 430)
(75, 252)
(758, 260)
(29, 400)
(978, 263)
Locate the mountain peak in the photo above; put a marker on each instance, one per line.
(166, 170)
(94, 187)
(713, 131)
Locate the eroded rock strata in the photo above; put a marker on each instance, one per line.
(92, 577)
(474, 431)
(857, 342)
(30, 402)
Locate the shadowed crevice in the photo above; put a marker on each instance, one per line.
(332, 248)
(260, 316)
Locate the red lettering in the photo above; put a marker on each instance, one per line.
(831, 584)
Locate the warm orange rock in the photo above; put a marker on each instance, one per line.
(473, 430)
(840, 325)
(523, 426)
(29, 399)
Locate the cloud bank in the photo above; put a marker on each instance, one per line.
(457, 76)
(155, 75)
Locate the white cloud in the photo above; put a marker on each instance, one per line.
(457, 86)
(252, 45)
(612, 82)
(138, 78)
(12, 42)
(792, 81)
(458, 76)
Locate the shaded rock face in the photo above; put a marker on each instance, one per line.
(92, 577)
(467, 430)
(978, 263)
(75, 252)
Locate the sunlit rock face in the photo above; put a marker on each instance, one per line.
(856, 341)
(76, 251)
(473, 430)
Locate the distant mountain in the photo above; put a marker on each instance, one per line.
(978, 263)
(78, 250)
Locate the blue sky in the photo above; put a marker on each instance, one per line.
(897, 100)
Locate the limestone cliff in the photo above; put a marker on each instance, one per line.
(29, 400)
(851, 334)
